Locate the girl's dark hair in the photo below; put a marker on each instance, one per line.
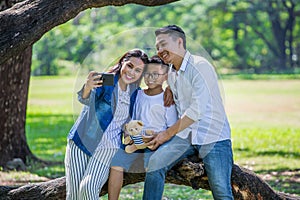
(157, 60)
(137, 53)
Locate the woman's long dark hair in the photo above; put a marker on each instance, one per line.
(137, 53)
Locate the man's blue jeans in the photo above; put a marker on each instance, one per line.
(217, 159)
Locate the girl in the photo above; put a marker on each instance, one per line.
(96, 135)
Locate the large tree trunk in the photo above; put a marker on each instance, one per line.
(280, 31)
(246, 185)
(26, 22)
(14, 82)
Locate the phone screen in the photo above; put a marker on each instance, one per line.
(108, 79)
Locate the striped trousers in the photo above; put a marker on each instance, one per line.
(85, 175)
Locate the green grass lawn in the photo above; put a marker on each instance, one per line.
(264, 116)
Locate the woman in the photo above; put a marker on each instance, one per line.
(96, 135)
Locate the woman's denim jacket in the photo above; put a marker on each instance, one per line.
(97, 114)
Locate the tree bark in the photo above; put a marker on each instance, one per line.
(280, 31)
(14, 82)
(26, 22)
(281, 27)
(190, 172)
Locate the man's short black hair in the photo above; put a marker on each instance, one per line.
(174, 30)
(169, 28)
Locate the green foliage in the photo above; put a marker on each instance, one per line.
(238, 35)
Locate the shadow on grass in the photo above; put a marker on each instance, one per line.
(280, 179)
(47, 138)
(249, 152)
(278, 153)
(242, 149)
(284, 180)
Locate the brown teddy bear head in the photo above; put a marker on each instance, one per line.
(134, 127)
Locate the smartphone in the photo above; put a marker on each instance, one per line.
(108, 78)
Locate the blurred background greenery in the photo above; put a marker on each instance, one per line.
(240, 36)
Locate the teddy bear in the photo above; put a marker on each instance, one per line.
(133, 138)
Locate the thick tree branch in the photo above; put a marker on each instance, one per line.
(268, 43)
(26, 22)
(190, 172)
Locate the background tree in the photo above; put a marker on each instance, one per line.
(240, 36)
(264, 34)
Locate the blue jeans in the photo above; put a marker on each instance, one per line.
(217, 159)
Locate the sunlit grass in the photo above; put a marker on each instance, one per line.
(264, 116)
(267, 149)
(171, 191)
(53, 95)
(262, 103)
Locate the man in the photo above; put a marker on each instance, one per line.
(202, 124)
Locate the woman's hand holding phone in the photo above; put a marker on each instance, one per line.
(93, 80)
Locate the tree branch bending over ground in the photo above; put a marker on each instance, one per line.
(190, 172)
(26, 22)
